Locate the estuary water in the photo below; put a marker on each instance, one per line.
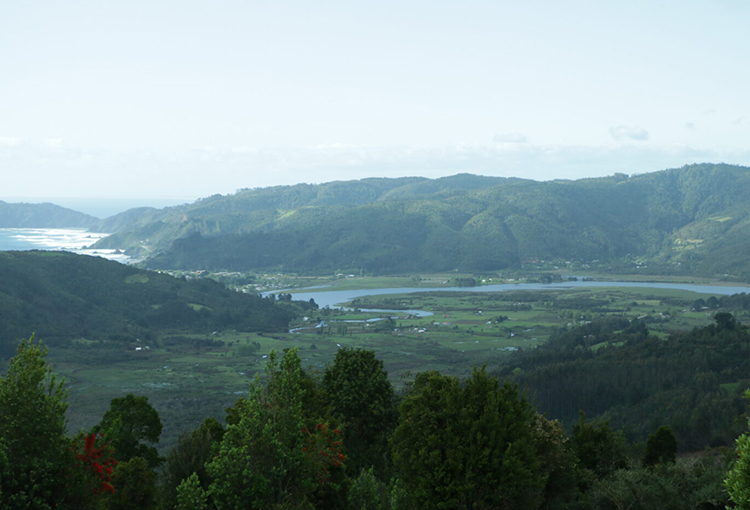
(338, 297)
(57, 239)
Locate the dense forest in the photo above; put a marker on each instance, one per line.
(345, 439)
(689, 220)
(61, 297)
(615, 369)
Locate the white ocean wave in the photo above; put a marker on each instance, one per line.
(58, 239)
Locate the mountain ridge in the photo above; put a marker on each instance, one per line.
(674, 220)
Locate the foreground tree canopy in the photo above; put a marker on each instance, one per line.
(467, 447)
(32, 431)
(338, 441)
(131, 425)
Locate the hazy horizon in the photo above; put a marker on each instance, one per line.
(101, 207)
(189, 99)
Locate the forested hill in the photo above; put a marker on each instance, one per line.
(692, 219)
(615, 368)
(43, 216)
(61, 296)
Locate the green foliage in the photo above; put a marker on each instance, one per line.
(598, 448)
(367, 492)
(190, 494)
(737, 481)
(189, 458)
(135, 486)
(470, 447)
(693, 483)
(360, 394)
(641, 381)
(400, 498)
(270, 456)
(36, 459)
(477, 444)
(130, 425)
(559, 463)
(661, 447)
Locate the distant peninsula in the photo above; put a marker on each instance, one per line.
(45, 215)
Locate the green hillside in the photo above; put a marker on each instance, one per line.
(62, 297)
(43, 216)
(691, 219)
(617, 369)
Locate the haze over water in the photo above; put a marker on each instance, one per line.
(57, 239)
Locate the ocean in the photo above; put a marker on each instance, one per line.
(57, 239)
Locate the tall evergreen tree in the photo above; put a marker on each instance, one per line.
(37, 466)
(361, 396)
(275, 454)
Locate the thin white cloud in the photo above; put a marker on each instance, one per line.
(628, 133)
(9, 141)
(55, 143)
(76, 172)
(243, 150)
(510, 138)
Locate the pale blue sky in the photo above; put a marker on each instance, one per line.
(163, 98)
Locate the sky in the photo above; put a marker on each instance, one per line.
(166, 100)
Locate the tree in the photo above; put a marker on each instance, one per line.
(129, 425)
(188, 458)
(558, 463)
(135, 486)
(470, 447)
(737, 481)
(689, 483)
(360, 394)
(273, 455)
(725, 321)
(40, 470)
(598, 447)
(190, 494)
(661, 447)
(367, 492)
(95, 456)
